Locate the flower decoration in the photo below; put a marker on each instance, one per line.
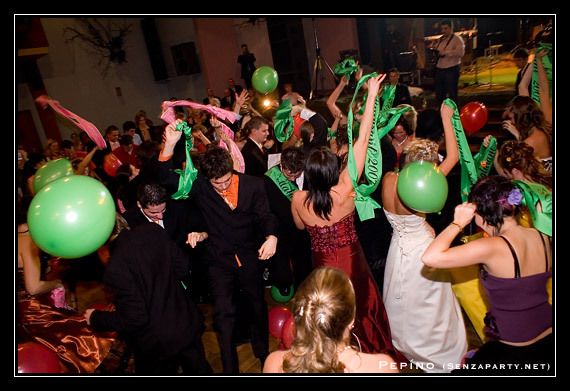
(515, 197)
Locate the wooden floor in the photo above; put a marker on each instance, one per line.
(89, 293)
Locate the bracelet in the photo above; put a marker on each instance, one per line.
(458, 226)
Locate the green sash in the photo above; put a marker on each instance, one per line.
(485, 157)
(534, 193)
(282, 119)
(285, 185)
(466, 161)
(346, 67)
(189, 174)
(547, 62)
(365, 204)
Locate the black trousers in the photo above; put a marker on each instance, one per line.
(292, 262)
(446, 84)
(223, 282)
(192, 360)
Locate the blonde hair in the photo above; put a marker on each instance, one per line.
(410, 116)
(323, 307)
(421, 149)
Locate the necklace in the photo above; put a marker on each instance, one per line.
(346, 347)
(403, 141)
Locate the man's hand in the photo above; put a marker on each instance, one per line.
(267, 249)
(195, 237)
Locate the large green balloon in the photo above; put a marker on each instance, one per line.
(265, 79)
(71, 217)
(422, 186)
(50, 171)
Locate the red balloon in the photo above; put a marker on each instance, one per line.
(277, 318)
(111, 163)
(297, 121)
(473, 116)
(36, 358)
(288, 333)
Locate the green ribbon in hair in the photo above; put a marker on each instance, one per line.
(189, 174)
(282, 119)
(533, 194)
(547, 62)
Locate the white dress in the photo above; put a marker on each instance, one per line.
(425, 317)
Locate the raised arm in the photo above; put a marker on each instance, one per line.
(360, 145)
(331, 101)
(86, 161)
(452, 152)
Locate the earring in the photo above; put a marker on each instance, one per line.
(357, 340)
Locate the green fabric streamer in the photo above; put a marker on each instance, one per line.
(547, 62)
(346, 67)
(466, 161)
(189, 174)
(285, 185)
(534, 193)
(365, 204)
(282, 119)
(485, 157)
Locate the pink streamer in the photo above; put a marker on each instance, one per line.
(87, 126)
(168, 113)
(222, 114)
(58, 297)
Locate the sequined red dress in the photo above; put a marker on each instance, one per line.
(338, 246)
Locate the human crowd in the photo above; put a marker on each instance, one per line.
(221, 201)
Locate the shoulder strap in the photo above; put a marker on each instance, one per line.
(545, 249)
(517, 267)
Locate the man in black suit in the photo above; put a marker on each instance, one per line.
(402, 93)
(253, 152)
(151, 305)
(247, 60)
(292, 262)
(178, 218)
(242, 231)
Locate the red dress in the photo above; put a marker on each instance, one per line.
(338, 246)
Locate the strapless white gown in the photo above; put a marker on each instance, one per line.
(424, 314)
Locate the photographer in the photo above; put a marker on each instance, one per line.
(449, 49)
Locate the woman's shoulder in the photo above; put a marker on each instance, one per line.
(274, 362)
(370, 363)
(298, 195)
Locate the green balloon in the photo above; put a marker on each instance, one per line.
(422, 186)
(265, 79)
(277, 296)
(50, 171)
(71, 217)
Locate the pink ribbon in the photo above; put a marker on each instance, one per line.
(221, 114)
(168, 110)
(58, 297)
(87, 126)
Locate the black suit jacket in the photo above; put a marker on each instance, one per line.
(254, 159)
(179, 219)
(231, 232)
(151, 305)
